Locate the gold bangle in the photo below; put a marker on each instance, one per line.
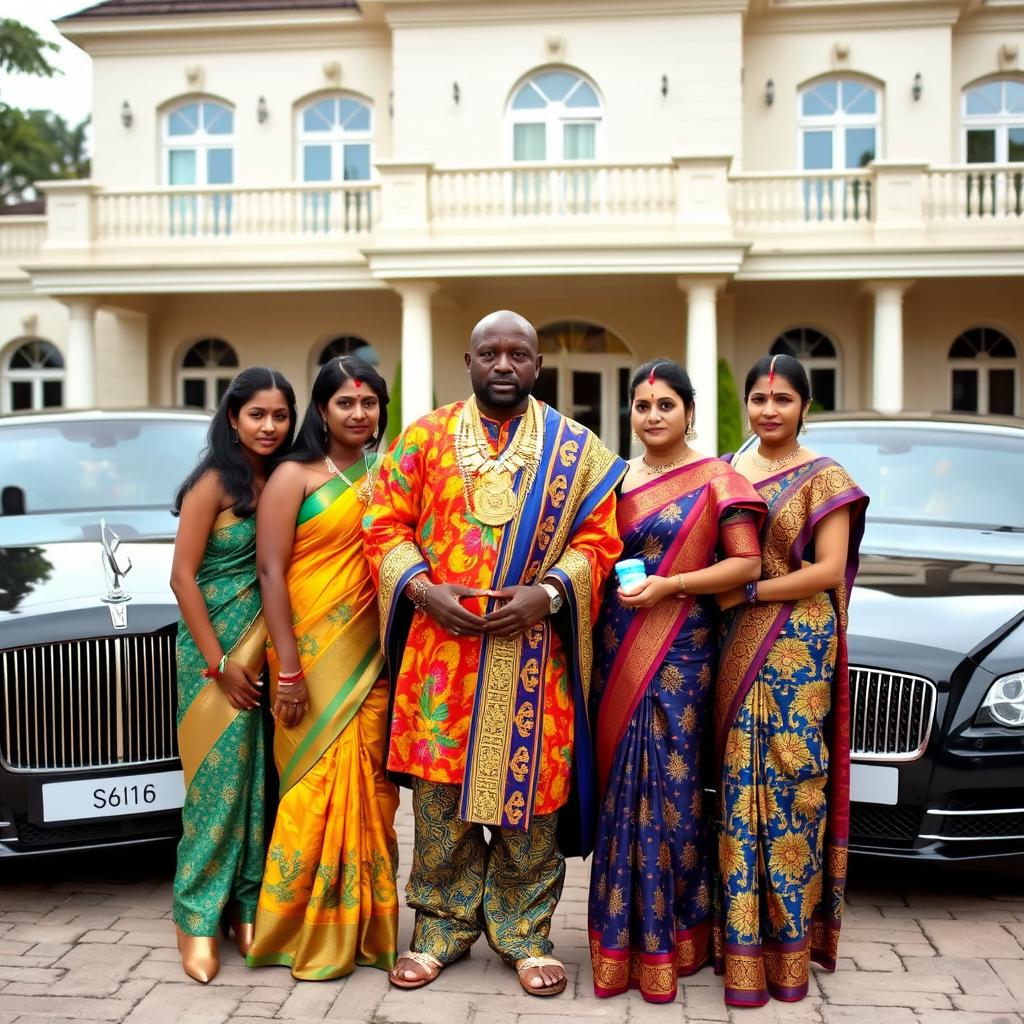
(682, 586)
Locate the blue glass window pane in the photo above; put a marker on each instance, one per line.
(1015, 97)
(528, 99)
(817, 151)
(218, 119)
(584, 96)
(984, 99)
(858, 98)
(860, 146)
(529, 142)
(316, 163)
(184, 120)
(357, 162)
(820, 100)
(981, 146)
(355, 117)
(320, 117)
(219, 166)
(181, 167)
(1015, 145)
(555, 84)
(579, 141)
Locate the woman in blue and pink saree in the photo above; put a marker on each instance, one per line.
(781, 711)
(693, 521)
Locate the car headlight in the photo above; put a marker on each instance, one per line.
(1004, 702)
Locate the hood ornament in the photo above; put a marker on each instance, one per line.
(114, 569)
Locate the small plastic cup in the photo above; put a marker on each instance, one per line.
(631, 572)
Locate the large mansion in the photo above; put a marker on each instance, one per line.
(279, 182)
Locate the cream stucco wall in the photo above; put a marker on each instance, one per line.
(701, 55)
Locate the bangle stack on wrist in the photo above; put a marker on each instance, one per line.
(286, 683)
(751, 591)
(417, 590)
(681, 584)
(215, 673)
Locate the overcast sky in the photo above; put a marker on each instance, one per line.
(70, 94)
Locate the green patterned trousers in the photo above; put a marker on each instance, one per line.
(460, 884)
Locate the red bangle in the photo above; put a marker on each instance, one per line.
(215, 673)
(291, 677)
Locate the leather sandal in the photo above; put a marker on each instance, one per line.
(533, 962)
(430, 964)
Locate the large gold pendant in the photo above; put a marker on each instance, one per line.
(494, 503)
(365, 492)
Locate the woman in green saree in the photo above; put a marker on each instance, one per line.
(220, 652)
(328, 901)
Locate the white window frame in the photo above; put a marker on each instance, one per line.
(36, 376)
(837, 122)
(337, 138)
(199, 141)
(554, 116)
(1001, 123)
(983, 364)
(210, 375)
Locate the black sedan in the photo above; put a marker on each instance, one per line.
(88, 753)
(936, 642)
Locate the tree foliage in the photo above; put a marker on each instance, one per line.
(35, 145)
(730, 420)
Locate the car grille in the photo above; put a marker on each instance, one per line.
(888, 824)
(144, 826)
(88, 703)
(890, 715)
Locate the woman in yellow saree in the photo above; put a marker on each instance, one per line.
(328, 901)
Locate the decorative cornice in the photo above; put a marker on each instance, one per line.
(784, 16)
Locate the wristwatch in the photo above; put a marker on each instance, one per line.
(556, 598)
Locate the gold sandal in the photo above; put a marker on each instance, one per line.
(533, 962)
(430, 964)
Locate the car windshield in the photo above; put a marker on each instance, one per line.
(919, 474)
(92, 464)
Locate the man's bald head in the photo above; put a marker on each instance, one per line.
(503, 322)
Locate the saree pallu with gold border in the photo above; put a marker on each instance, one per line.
(649, 915)
(329, 900)
(781, 725)
(220, 856)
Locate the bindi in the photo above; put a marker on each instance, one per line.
(359, 384)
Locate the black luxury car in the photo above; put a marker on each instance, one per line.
(936, 643)
(88, 753)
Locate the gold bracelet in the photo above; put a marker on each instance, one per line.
(682, 586)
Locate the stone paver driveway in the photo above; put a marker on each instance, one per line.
(91, 940)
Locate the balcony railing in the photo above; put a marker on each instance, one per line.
(973, 192)
(230, 213)
(553, 192)
(21, 237)
(807, 200)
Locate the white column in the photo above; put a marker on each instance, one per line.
(887, 346)
(702, 356)
(80, 374)
(417, 349)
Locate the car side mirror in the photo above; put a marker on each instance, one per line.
(12, 501)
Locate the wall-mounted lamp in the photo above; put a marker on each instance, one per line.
(455, 93)
(769, 92)
(261, 110)
(126, 115)
(918, 87)
(664, 85)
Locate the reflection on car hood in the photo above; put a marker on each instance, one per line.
(935, 601)
(48, 578)
(925, 540)
(128, 524)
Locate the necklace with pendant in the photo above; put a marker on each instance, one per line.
(364, 492)
(664, 467)
(774, 465)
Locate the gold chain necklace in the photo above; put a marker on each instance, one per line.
(665, 466)
(486, 478)
(774, 465)
(364, 492)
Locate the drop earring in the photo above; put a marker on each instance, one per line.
(691, 431)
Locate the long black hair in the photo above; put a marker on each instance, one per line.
(224, 454)
(668, 371)
(312, 442)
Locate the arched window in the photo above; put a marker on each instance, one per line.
(586, 375)
(207, 369)
(993, 122)
(839, 130)
(349, 345)
(555, 116)
(33, 377)
(983, 366)
(818, 353)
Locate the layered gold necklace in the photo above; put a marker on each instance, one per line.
(487, 478)
(364, 492)
(774, 465)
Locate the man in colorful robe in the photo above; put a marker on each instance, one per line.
(491, 531)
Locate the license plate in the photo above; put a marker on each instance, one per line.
(108, 798)
(874, 783)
